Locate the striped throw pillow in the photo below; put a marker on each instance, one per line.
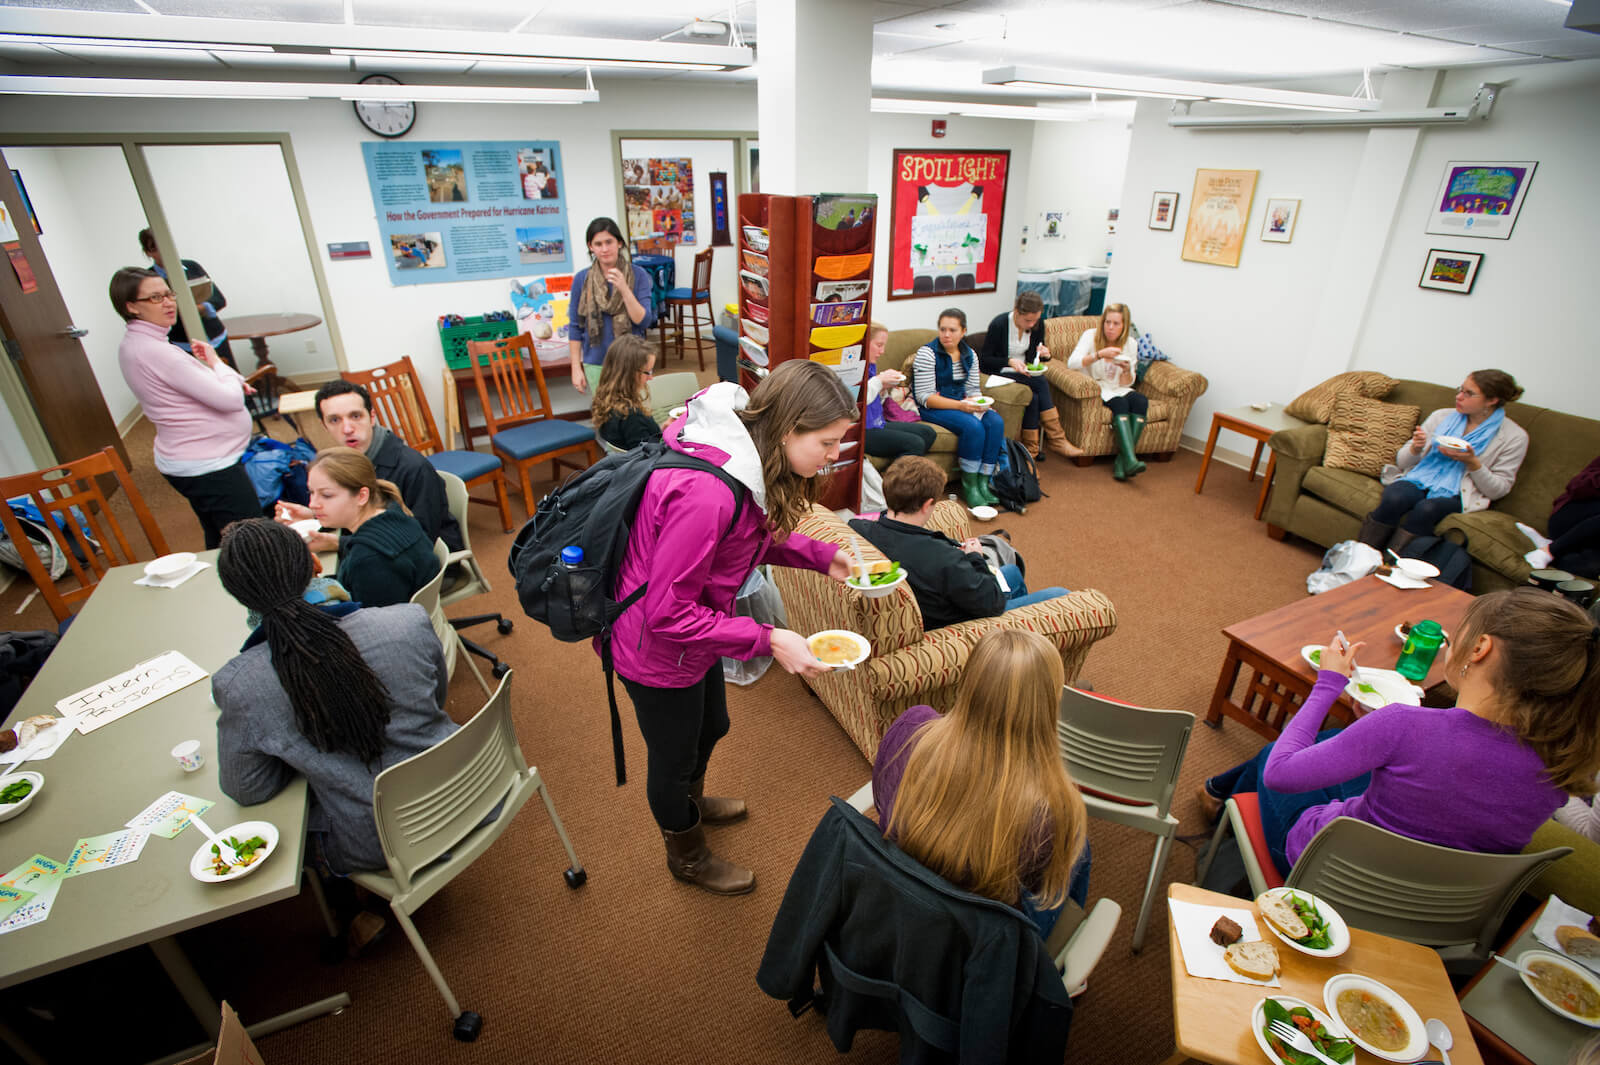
(1364, 434)
(1316, 404)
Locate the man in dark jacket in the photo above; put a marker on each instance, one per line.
(952, 582)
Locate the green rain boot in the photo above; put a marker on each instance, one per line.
(988, 493)
(972, 489)
(1127, 464)
(1135, 466)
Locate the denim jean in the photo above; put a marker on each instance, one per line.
(978, 437)
(1019, 594)
(1077, 891)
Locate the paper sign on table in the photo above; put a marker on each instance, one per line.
(11, 899)
(43, 877)
(103, 852)
(170, 814)
(103, 703)
(1201, 956)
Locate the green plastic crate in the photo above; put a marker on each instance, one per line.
(455, 338)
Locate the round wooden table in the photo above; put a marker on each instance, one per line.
(257, 327)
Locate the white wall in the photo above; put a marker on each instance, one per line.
(1077, 168)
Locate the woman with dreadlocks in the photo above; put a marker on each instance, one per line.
(335, 693)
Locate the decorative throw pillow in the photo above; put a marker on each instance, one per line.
(1364, 434)
(1316, 404)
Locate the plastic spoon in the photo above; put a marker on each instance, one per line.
(226, 852)
(1355, 671)
(1440, 1037)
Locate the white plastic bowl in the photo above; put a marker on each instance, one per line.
(1527, 957)
(200, 864)
(1452, 443)
(1417, 569)
(1413, 1021)
(1035, 373)
(877, 591)
(983, 513)
(984, 401)
(863, 648)
(12, 809)
(168, 566)
(677, 412)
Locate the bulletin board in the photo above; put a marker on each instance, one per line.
(659, 193)
(945, 216)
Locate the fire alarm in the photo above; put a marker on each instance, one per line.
(938, 127)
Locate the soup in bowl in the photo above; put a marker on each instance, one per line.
(839, 648)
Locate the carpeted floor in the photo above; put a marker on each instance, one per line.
(635, 967)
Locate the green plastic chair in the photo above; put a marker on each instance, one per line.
(1453, 901)
(429, 811)
(1125, 759)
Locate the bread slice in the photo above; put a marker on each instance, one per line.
(1257, 959)
(1578, 942)
(1280, 913)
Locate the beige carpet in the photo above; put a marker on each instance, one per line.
(635, 967)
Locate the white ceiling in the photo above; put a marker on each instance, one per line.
(919, 46)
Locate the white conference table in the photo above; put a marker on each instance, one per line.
(96, 783)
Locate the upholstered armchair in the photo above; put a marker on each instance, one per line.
(1171, 389)
(909, 666)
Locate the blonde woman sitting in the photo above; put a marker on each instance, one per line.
(621, 407)
(980, 795)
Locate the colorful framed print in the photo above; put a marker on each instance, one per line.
(1277, 223)
(945, 214)
(1450, 271)
(1218, 214)
(1163, 210)
(1480, 199)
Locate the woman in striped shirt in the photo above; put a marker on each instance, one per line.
(947, 385)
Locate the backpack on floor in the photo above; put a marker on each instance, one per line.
(1446, 552)
(1016, 478)
(594, 510)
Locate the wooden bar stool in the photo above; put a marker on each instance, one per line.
(682, 301)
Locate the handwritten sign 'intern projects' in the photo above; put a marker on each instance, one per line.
(100, 704)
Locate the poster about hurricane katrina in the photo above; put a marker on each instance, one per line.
(469, 210)
(1480, 199)
(944, 221)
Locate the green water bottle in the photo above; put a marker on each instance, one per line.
(1422, 644)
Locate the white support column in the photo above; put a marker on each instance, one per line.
(814, 94)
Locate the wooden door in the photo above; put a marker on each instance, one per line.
(53, 364)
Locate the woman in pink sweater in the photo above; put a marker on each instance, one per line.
(196, 403)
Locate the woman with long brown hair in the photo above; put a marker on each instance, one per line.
(621, 407)
(696, 536)
(610, 299)
(1480, 776)
(980, 795)
(387, 557)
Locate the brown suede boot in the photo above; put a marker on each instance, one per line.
(714, 810)
(690, 860)
(1056, 437)
(1030, 440)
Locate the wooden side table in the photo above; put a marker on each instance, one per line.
(1258, 425)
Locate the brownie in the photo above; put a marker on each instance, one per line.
(1226, 931)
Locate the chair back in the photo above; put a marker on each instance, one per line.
(501, 370)
(1122, 753)
(1421, 892)
(702, 274)
(79, 521)
(455, 490)
(670, 390)
(268, 384)
(427, 804)
(607, 446)
(427, 597)
(399, 405)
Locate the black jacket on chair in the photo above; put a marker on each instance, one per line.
(962, 978)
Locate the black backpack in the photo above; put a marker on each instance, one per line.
(594, 509)
(1016, 481)
(1455, 565)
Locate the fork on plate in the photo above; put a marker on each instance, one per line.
(1294, 1037)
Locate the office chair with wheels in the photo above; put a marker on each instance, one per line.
(474, 584)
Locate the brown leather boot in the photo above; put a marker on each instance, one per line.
(1055, 437)
(1030, 440)
(690, 860)
(714, 810)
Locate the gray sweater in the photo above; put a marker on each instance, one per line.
(260, 749)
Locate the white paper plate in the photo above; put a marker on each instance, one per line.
(12, 809)
(1528, 956)
(1306, 651)
(168, 566)
(200, 864)
(1392, 688)
(863, 648)
(305, 527)
(877, 591)
(1401, 581)
(983, 512)
(984, 401)
(1338, 931)
(1413, 1022)
(677, 412)
(1258, 1021)
(1417, 569)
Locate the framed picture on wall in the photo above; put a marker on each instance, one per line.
(945, 214)
(1480, 199)
(1218, 213)
(1277, 223)
(1163, 210)
(1450, 271)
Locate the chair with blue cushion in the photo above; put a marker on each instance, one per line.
(684, 305)
(523, 429)
(399, 405)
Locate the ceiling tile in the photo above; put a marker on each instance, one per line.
(318, 11)
(127, 6)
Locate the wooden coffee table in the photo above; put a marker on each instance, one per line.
(1269, 646)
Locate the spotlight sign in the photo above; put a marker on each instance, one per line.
(945, 216)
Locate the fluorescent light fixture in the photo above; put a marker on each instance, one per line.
(117, 42)
(27, 85)
(520, 60)
(890, 105)
(1043, 79)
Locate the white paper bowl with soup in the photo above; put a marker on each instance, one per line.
(1379, 1020)
(1452, 443)
(168, 566)
(839, 648)
(1561, 985)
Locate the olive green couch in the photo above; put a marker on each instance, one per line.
(1575, 879)
(1326, 505)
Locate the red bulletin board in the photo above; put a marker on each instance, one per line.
(944, 221)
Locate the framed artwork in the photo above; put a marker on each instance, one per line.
(1277, 223)
(659, 195)
(1480, 199)
(945, 213)
(1450, 271)
(1218, 214)
(1163, 210)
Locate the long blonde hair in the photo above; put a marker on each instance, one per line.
(1100, 340)
(353, 471)
(619, 393)
(800, 396)
(985, 788)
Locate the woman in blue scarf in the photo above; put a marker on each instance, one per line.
(1458, 461)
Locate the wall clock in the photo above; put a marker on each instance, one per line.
(386, 118)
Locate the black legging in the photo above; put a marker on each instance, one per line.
(1131, 403)
(1040, 400)
(218, 499)
(680, 726)
(900, 438)
(1575, 538)
(1408, 502)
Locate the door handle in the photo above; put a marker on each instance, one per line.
(73, 332)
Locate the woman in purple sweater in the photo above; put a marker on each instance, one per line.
(1480, 776)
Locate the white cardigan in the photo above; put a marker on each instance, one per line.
(1106, 375)
(1492, 480)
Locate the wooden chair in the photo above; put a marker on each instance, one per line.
(264, 404)
(522, 427)
(80, 523)
(684, 303)
(399, 405)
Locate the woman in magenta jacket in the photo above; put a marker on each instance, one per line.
(688, 544)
